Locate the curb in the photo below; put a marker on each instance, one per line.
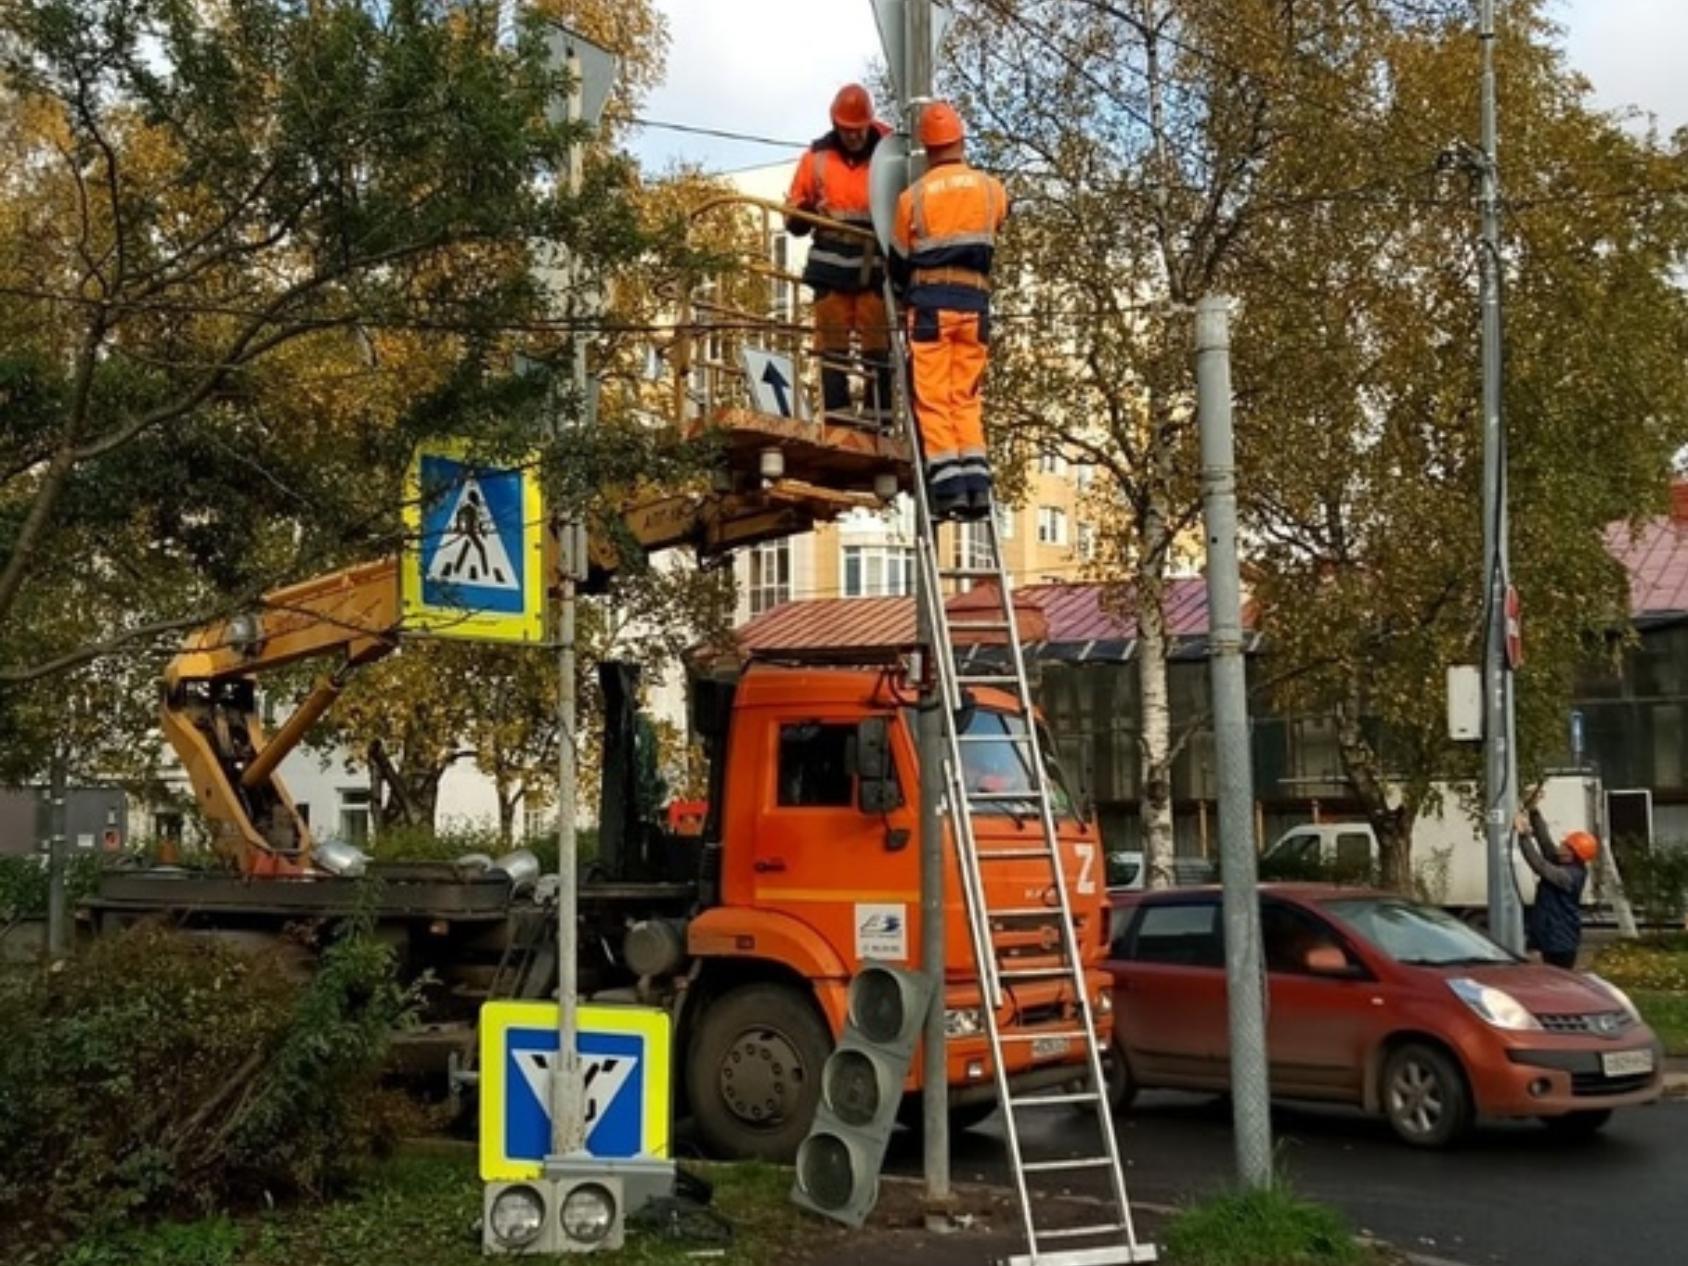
(1675, 1087)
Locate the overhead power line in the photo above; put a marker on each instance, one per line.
(724, 134)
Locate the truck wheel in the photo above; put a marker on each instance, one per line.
(1425, 1096)
(1122, 1086)
(753, 1074)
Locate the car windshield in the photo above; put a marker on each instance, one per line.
(1420, 936)
(1003, 765)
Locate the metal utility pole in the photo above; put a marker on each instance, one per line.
(1500, 757)
(1245, 980)
(58, 923)
(591, 72)
(935, 1049)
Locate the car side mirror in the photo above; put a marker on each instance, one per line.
(1328, 960)
(878, 789)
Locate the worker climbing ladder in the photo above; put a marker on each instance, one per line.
(1093, 1244)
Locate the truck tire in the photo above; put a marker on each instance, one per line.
(753, 1074)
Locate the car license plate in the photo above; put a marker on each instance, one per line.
(1046, 1047)
(1626, 1063)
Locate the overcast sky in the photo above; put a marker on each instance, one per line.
(769, 67)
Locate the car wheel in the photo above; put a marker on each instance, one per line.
(1425, 1096)
(1578, 1125)
(753, 1075)
(1122, 1086)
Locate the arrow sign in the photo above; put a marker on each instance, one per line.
(772, 378)
(773, 382)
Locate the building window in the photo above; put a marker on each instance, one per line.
(785, 294)
(878, 571)
(354, 815)
(1051, 525)
(1087, 542)
(1004, 522)
(770, 576)
(1084, 474)
(1049, 463)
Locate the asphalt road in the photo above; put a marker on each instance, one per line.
(1510, 1195)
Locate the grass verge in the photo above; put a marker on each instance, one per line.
(419, 1209)
(1263, 1228)
(1667, 1013)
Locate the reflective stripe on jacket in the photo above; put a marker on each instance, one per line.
(833, 183)
(948, 221)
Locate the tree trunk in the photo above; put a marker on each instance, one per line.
(1155, 744)
(1393, 826)
(508, 798)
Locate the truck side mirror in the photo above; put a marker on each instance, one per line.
(878, 791)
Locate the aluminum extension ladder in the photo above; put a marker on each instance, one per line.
(1101, 1243)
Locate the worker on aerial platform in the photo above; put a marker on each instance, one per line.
(845, 271)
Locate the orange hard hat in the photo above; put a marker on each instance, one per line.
(1583, 845)
(852, 107)
(940, 125)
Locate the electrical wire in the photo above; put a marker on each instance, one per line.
(693, 129)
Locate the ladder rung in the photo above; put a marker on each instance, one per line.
(1023, 912)
(1035, 973)
(999, 797)
(994, 626)
(1051, 1101)
(994, 680)
(993, 738)
(1075, 1162)
(1083, 1232)
(1107, 1255)
(1012, 854)
(1071, 1035)
(969, 573)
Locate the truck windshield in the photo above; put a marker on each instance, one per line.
(1005, 766)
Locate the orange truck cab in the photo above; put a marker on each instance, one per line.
(810, 871)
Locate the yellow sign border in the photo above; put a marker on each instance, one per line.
(425, 619)
(498, 1018)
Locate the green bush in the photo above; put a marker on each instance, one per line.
(1656, 879)
(1261, 1228)
(23, 884)
(161, 1073)
(421, 844)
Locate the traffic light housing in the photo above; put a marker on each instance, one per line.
(861, 1089)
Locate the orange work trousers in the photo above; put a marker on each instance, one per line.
(840, 314)
(949, 353)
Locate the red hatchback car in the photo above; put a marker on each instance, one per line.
(1398, 1008)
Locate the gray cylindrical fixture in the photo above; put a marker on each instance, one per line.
(655, 947)
(1244, 974)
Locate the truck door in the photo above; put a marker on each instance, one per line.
(851, 873)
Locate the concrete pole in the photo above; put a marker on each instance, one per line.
(1500, 757)
(935, 1091)
(1244, 976)
(58, 920)
(568, 1087)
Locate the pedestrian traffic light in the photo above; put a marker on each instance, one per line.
(861, 1089)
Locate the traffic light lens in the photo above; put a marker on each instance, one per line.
(878, 1006)
(825, 1169)
(852, 1088)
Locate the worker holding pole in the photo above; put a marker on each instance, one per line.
(942, 245)
(844, 270)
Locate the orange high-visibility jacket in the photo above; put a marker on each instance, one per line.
(944, 238)
(833, 183)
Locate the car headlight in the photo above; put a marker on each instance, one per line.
(1623, 999)
(518, 1213)
(1496, 1006)
(966, 1022)
(588, 1213)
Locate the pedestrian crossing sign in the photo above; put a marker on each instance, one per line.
(625, 1054)
(473, 561)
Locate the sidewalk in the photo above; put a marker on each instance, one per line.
(1676, 1077)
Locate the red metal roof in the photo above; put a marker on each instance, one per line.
(1655, 555)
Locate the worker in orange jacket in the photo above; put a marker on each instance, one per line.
(845, 271)
(942, 246)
